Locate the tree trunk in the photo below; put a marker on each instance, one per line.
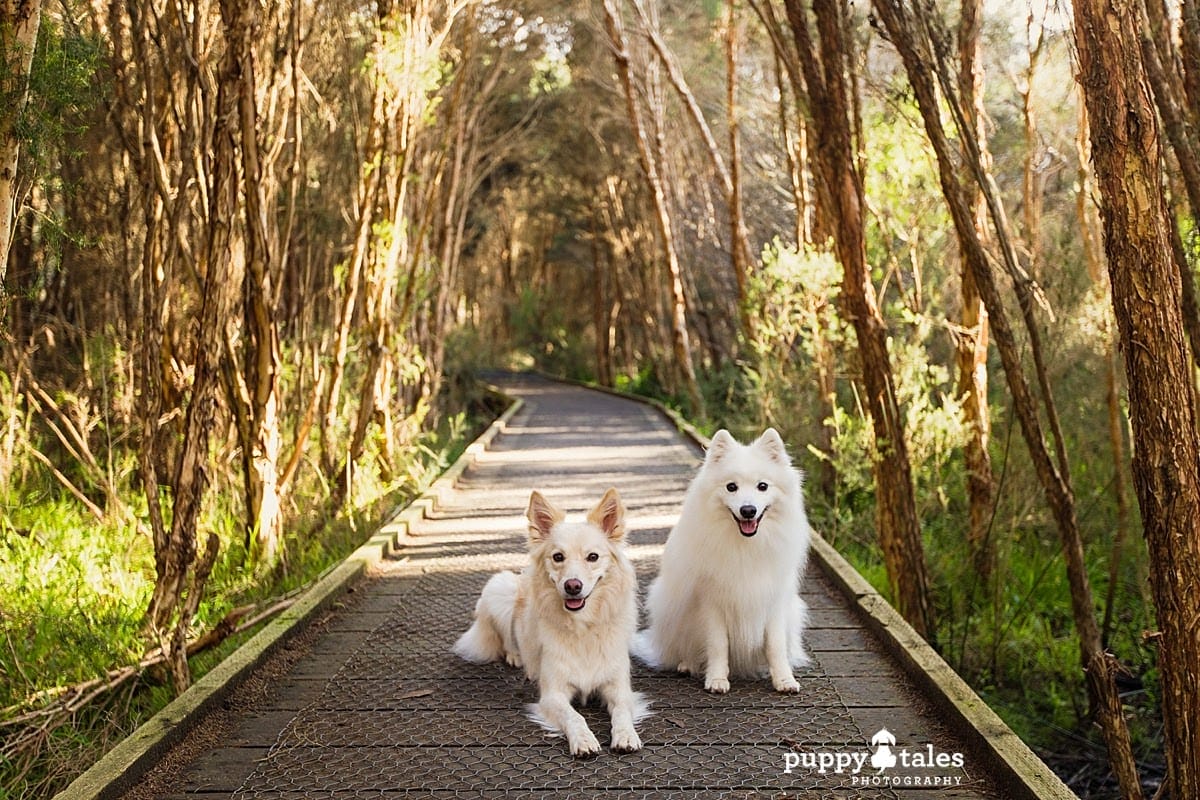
(739, 247)
(180, 584)
(1190, 52)
(601, 309)
(971, 341)
(834, 157)
(19, 23)
(258, 384)
(1180, 119)
(1031, 182)
(1098, 665)
(680, 342)
(1126, 153)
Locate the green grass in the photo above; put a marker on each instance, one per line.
(73, 592)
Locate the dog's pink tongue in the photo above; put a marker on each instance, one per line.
(749, 527)
(573, 603)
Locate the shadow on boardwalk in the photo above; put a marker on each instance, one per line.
(370, 703)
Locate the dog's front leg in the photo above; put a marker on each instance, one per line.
(716, 654)
(775, 646)
(621, 707)
(555, 708)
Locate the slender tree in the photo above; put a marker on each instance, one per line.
(971, 340)
(19, 23)
(825, 65)
(739, 247)
(680, 339)
(255, 387)
(1031, 177)
(180, 581)
(1146, 291)
(726, 171)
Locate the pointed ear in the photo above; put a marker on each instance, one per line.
(772, 444)
(609, 516)
(718, 446)
(542, 517)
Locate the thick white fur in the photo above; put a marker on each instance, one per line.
(571, 654)
(725, 603)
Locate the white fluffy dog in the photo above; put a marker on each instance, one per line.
(726, 599)
(569, 618)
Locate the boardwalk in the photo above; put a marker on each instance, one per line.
(369, 703)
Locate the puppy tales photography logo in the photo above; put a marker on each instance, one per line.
(881, 763)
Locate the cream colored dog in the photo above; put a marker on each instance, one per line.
(568, 618)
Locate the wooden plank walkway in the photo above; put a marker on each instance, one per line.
(368, 702)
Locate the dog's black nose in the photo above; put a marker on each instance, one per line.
(748, 511)
(573, 587)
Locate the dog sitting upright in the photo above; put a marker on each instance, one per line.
(568, 618)
(727, 597)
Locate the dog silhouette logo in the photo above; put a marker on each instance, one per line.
(883, 757)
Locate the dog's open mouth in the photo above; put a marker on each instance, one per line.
(749, 527)
(574, 603)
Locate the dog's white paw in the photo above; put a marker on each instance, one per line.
(786, 684)
(625, 741)
(584, 744)
(513, 660)
(716, 685)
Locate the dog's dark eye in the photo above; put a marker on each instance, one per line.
(593, 556)
(762, 486)
(731, 487)
(558, 558)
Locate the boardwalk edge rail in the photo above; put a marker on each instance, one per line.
(118, 770)
(1024, 774)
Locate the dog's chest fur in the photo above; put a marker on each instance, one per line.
(588, 649)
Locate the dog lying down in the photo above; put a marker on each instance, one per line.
(568, 618)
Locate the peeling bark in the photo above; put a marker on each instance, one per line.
(1146, 291)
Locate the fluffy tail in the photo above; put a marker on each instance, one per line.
(644, 648)
(641, 707)
(480, 644)
(488, 637)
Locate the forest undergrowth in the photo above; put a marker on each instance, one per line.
(74, 592)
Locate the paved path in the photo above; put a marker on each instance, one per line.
(369, 702)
